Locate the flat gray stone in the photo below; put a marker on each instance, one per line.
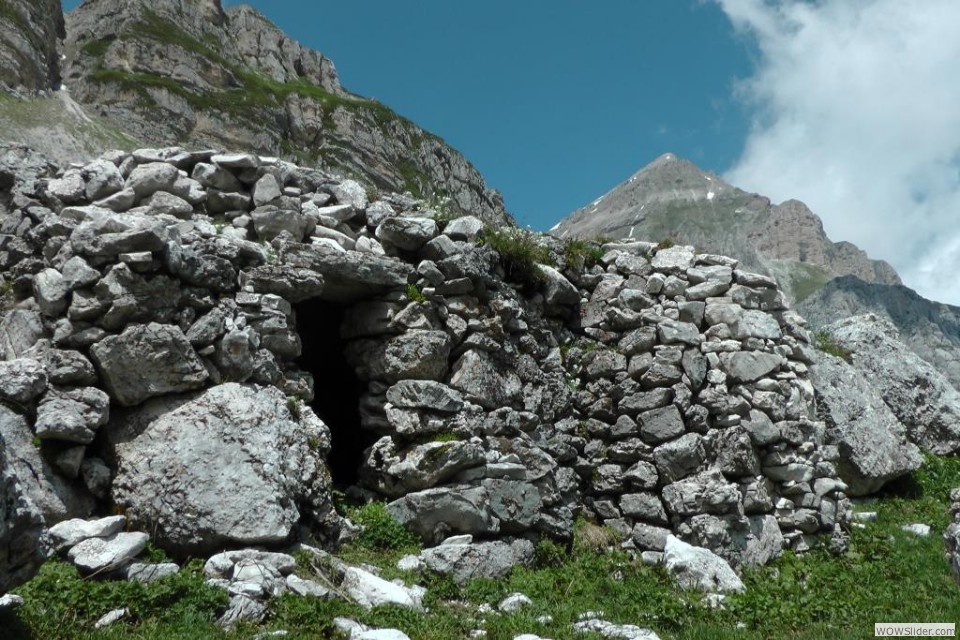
(95, 555)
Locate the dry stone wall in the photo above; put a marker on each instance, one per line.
(155, 355)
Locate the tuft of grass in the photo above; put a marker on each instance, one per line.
(825, 342)
(414, 294)
(666, 243)
(580, 254)
(293, 406)
(519, 254)
(380, 530)
(59, 603)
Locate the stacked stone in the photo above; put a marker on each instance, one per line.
(696, 406)
(951, 536)
(658, 391)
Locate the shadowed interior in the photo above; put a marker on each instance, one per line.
(337, 388)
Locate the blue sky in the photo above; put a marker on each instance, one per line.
(847, 105)
(554, 101)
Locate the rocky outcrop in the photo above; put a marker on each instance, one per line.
(873, 444)
(921, 398)
(659, 391)
(190, 72)
(29, 31)
(22, 547)
(930, 329)
(673, 199)
(234, 464)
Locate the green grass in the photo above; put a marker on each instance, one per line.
(519, 253)
(824, 342)
(581, 254)
(804, 279)
(887, 575)
(414, 294)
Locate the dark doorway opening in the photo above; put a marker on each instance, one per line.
(337, 389)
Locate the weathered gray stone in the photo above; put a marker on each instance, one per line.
(435, 514)
(308, 588)
(269, 222)
(216, 177)
(72, 415)
(56, 498)
(660, 425)
(698, 568)
(408, 234)
(748, 366)
(417, 355)
(149, 178)
(147, 361)
(236, 160)
(266, 189)
(490, 560)
(464, 228)
(873, 444)
(102, 178)
(245, 473)
(735, 454)
(96, 555)
(162, 203)
(395, 474)
(675, 260)
(916, 392)
(291, 283)
(370, 591)
(350, 192)
(515, 504)
(77, 273)
(484, 382)
(679, 458)
(674, 332)
(761, 429)
(556, 288)
(66, 367)
(707, 492)
(20, 329)
(22, 380)
(425, 394)
(22, 547)
(128, 297)
(51, 292)
(349, 275)
(70, 532)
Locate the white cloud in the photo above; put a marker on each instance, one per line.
(856, 107)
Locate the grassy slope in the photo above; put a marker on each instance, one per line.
(888, 575)
(256, 95)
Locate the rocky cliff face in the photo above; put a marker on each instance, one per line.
(672, 198)
(931, 329)
(29, 31)
(187, 71)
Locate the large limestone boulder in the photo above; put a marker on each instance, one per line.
(231, 466)
(917, 393)
(21, 526)
(873, 444)
(147, 361)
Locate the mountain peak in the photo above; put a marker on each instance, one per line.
(674, 198)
